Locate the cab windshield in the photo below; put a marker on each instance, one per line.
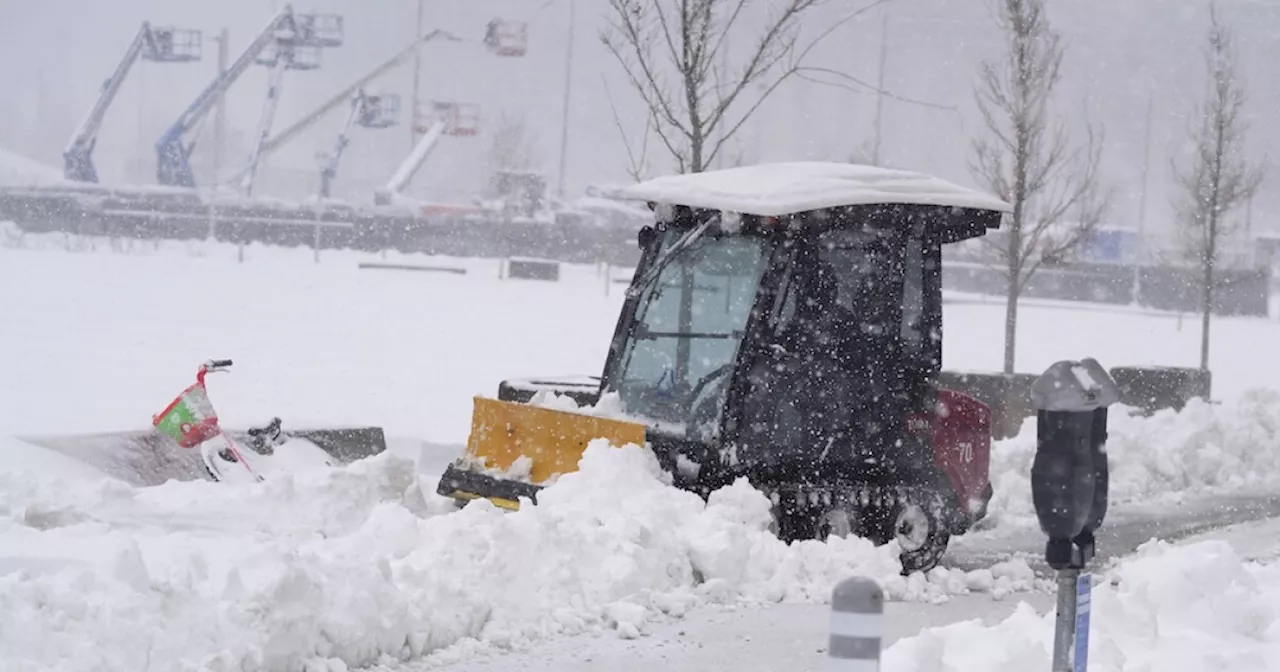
(690, 320)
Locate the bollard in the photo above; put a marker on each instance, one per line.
(857, 626)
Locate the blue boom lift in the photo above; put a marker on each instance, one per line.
(289, 42)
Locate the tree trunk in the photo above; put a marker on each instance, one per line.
(1011, 323)
(1207, 312)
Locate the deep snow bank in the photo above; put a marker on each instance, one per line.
(1173, 608)
(341, 568)
(1205, 449)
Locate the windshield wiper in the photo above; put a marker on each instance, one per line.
(665, 258)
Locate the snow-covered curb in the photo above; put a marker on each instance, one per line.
(1173, 608)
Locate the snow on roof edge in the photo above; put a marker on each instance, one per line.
(774, 189)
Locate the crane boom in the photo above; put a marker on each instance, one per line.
(331, 164)
(173, 166)
(264, 124)
(78, 155)
(343, 96)
(414, 161)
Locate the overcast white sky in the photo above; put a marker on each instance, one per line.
(1121, 52)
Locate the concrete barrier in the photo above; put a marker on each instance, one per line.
(347, 444)
(411, 267)
(1155, 388)
(1237, 292)
(533, 269)
(1007, 395)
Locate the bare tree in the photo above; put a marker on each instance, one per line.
(1027, 158)
(1219, 178)
(672, 53)
(637, 156)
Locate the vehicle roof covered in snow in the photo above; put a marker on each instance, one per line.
(775, 189)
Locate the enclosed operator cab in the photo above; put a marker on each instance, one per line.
(785, 324)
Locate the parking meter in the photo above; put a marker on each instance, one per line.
(1069, 480)
(1069, 477)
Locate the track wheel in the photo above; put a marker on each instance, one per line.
(918, 527)
(835, 523)
(791, 523)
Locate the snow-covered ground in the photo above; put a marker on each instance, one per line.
(365, 565)
(1207, 603)
(121, 333)
(1193, 607)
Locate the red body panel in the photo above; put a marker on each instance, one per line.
(962, 446)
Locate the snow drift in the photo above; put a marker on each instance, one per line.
(354, 566)
(1205, 449)
(1175, 608)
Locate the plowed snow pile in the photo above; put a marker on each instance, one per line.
(354, 566)
(1205, 449)
(348, 567)
(1178, 609)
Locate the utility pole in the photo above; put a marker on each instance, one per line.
(568, 87)
(142, 119)
(1142, 250)
(219, 134)
(220, 110)
(884, 56)
(417, 79)
(1146, 167)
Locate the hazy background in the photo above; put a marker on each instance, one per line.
(54, 54)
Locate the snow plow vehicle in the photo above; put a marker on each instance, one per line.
(784, 324)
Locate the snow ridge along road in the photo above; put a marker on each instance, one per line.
(355, 566)
(363, 566)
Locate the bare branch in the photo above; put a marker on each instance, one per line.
(1027, 157)
(696, 114)
(860, 86)
(635, 164)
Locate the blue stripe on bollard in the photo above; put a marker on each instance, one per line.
(857, 626)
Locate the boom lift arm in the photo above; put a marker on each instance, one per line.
(367, 111)
(411, 164)
(173, 154)
(153, 44)
(343, 96)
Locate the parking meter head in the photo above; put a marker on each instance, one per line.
(1062, 473)
(1069, 474)
(1074, 387)
(1101, 471)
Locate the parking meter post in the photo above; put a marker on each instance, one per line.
(1069, 487)
(1064, 626)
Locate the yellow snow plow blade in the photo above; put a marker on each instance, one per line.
(553, 441)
